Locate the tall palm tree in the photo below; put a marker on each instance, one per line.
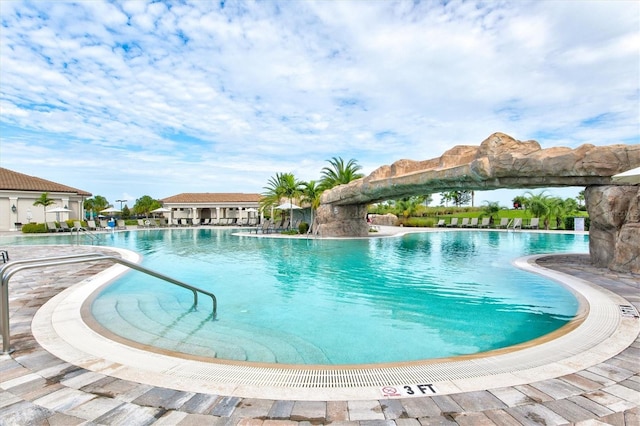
(45, 202)
(311, 194)
(339, 173)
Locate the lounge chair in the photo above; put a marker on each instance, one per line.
(52, 227)
(453, 223)
(206, 221)
(534, 224)
(91, 225)
(64, 226)
(77, 226)
(465, 222)
(504, 222)
(517, 223)
(195, 222)
(473, 223)
(265, 228)
(120, 224)
(103, 224)
(441, 223)
(141, 223)
(486, 221)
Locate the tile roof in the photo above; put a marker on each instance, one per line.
(212, 197)
(14, 181)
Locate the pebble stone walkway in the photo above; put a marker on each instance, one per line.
(37, 388)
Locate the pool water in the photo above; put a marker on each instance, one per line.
(297, 301)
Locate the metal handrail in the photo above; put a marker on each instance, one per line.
(9, 269)
(93, 237)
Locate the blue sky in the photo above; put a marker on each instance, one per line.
(125, 99)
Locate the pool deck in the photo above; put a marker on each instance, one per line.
(39, 388)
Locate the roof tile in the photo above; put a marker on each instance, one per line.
(14, 181)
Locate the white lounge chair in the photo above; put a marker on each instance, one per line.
(534, 224)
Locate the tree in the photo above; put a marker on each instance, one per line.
(311, 194)
(458, 198)
(562, 208)
(339, 173)
(539, 206)
(408, 206)
(445, 198)
(45, 202)
(145, 204)
(519, 201)
(580, 198)
(279, 186)
(96, 204)
(490, 209)
(427, 199)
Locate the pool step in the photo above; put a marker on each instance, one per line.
(169, 323)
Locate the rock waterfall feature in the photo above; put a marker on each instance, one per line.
(501, 161)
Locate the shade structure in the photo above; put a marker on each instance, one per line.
(288, 206)
(59, 210)
(630, 176)
(110, 210)
(161, 210)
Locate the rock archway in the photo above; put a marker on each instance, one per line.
(504, 162)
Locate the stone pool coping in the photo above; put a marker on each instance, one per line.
(605, 332)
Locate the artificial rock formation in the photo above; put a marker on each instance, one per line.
(614, 234)
(498, 162)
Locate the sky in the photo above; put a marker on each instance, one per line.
(125, 99)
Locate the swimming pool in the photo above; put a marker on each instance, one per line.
(295, 301)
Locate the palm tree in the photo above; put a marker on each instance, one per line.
(279, 186)
(311, 194)
(580, 198)
(339, 173)
(96, 204)
(539, 205)
(45, 202)
(490, 209)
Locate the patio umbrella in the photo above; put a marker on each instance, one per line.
(291, 207)
(161, 210)
(630, 176)
(57, 211)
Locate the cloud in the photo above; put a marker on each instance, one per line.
(153, 98)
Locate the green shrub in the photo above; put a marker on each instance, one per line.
(34, 228)
(303, 228)
(417, 222)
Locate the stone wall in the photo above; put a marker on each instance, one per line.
(342, 221)
(614, 235)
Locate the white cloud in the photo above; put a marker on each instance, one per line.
(165, 98)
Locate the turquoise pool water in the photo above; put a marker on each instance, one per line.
(419, 296)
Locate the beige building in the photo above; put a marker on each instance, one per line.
(18, 192)
(213, 206)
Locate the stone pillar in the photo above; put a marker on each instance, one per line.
(614, 233)
(342, 221)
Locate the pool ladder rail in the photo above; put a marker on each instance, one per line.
(7, 270)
